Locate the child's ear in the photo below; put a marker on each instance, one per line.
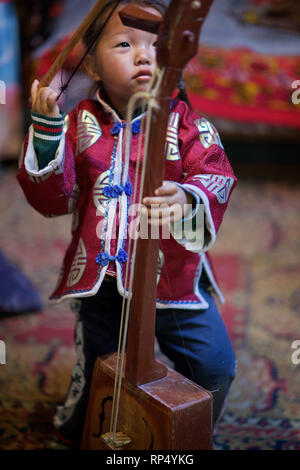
(90, 67)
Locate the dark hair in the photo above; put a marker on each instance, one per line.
(92, 33)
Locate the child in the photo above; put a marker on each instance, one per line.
(74, 165)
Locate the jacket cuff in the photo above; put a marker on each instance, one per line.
(189, 231)
(46, 136)
(47, 128)
(55, 164)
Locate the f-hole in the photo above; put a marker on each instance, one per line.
(102, 416)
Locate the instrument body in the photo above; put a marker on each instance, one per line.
(167, 414)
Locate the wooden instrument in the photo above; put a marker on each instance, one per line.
(158, 408)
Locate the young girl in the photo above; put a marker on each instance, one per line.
(75, 164)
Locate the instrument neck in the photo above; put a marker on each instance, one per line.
(141, 366)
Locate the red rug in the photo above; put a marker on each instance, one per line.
(245, 86)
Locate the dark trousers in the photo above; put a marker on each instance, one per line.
(196, 341)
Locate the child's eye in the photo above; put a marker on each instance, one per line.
(155, 44)
(123, 44)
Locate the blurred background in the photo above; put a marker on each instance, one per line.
(246, 80)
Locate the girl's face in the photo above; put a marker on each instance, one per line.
(125, 59)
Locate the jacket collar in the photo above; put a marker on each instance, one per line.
(104, 100)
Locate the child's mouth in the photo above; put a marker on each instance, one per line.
(143, 75)
(143, 78)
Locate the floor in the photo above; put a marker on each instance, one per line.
(256, 257)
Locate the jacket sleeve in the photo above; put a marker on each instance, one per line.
(52, 189)
(208, 176)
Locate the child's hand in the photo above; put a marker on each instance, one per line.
(43, 100)
(169, 204)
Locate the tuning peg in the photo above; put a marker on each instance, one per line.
(196, 5)
(189, 35)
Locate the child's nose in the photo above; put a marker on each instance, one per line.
(143, 57)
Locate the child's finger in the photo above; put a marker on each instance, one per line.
(34, 91)
(155, 210)
(163, 214)
(166, 194)
(38, 101)
(43, 100)
(166, 188)
(51, 101)
(158, 200)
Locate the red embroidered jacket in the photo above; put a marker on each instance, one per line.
(90, 178)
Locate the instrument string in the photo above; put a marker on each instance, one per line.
(119, 368)
(124, 315)
(124, 337)
(150, 99)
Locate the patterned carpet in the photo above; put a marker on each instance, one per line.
(257, 260)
